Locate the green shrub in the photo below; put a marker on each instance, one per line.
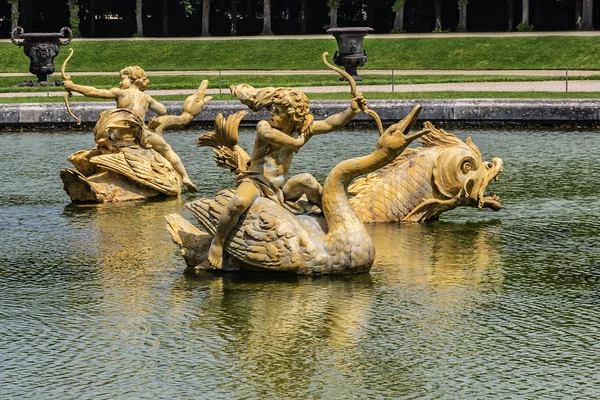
(522, 27)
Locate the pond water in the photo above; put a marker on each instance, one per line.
(482, 304)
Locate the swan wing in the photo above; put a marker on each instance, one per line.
(266, 236)
(153, 171)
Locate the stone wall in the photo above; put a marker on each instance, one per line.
(526, 112)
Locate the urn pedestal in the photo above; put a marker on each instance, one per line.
(350, 53)
(41, 48)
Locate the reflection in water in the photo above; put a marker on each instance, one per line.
(132, 245)
(282, 323)
(445, 265)
(442, 256)
(93, 303)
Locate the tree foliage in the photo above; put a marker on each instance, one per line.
(117, 18)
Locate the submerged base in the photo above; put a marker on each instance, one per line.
(103, 187)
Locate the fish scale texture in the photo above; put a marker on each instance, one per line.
(395, 191)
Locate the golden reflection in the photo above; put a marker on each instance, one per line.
(445, 268)
(267, 324)
(279, 320)
(441, 256)
(132, 245)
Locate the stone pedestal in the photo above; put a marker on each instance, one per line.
(41, 48)
(350, 54)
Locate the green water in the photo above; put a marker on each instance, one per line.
(94, 303)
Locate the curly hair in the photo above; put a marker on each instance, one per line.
(295, 102)
(137, 76)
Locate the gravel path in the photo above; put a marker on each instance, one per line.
(549, 86)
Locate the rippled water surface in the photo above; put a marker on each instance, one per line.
(94, 303)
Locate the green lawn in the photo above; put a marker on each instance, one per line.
(549, 52)
(387, 54)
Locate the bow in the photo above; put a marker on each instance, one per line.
(354, 93)
(68, 93)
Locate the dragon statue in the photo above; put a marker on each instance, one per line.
(424, 182)
(418, 186)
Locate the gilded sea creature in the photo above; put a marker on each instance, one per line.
(426, 181)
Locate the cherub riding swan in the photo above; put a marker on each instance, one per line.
(270, 237)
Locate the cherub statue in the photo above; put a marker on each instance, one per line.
(131, 160)
(266, 172)
(130, 95)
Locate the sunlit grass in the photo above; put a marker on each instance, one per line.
(534, 52)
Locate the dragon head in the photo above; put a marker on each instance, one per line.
(460, 173)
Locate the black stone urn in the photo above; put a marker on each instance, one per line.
(350, 54)
(41, 48)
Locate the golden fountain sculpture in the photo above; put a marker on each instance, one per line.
(418, 186)
(266, 223)
(272, 222)
(131, 160)
(270, 236)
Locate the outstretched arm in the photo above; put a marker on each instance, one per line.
(91, 91)
(274, 136)
(157, 107)
(337, 121)
(191, 107)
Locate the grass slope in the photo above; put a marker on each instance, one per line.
(548, 52)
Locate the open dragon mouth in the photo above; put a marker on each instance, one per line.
(491, 200)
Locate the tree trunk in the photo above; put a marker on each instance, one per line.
(462, 17)
(205, 17)
(510, 13)
(164, 13)
(234, 13)
(139, 18)
(437, 13)
(267, 18)
(333, 14)
(399, 20)
(14, 14)
(587, 16)
(578, 16)
(525, 13)
(74, 17)
(92, 18)
(303, 28)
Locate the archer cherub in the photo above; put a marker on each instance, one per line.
(266, 172)
(130, 95)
